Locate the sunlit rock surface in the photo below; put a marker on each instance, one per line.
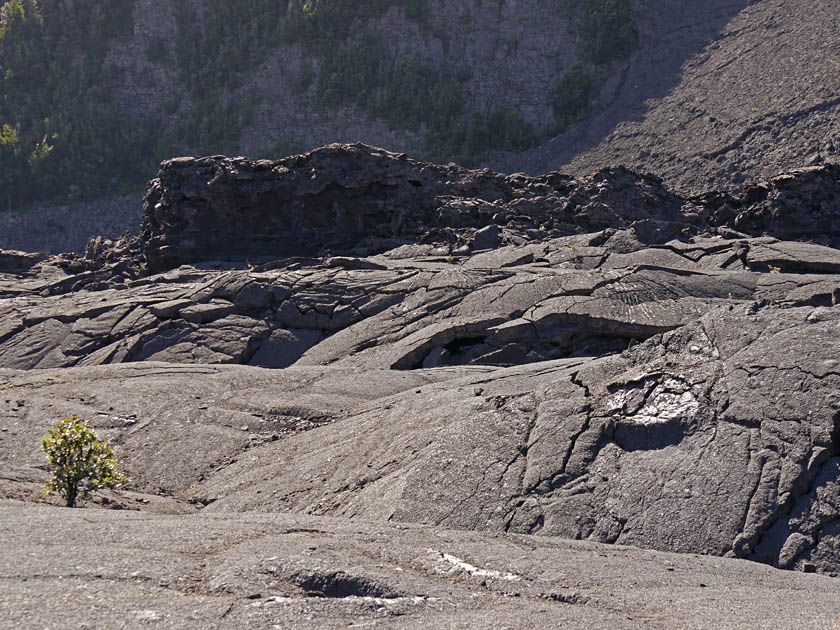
(596, 359)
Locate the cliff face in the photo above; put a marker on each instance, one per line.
(714, 96)
(504, 53)
(106, 90)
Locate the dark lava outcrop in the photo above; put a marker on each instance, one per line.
(358, 200)
(361, 200)
(599, 359)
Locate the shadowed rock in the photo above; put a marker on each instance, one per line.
(362, 200)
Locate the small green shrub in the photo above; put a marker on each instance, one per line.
(80, 463)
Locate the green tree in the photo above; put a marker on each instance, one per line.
(80, 463)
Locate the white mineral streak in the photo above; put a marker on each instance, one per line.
(457, 563)
(668, 401)
(377, 601)
(667, 406)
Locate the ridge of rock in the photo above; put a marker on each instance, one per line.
(362, 200)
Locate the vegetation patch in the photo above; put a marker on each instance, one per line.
(607, 30)
(65, 135)
(62, 132)
(216, 49)
(573, 96)
(408, 92)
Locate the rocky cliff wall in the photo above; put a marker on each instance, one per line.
(359, 200)
(507, 53)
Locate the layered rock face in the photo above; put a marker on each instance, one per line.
(360, 200)
(595, 358)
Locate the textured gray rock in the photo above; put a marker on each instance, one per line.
(362, 199)
(652, 370)
(12, 261)
(295, 571)
(517, 304)
(693, 441)
(719, 437)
